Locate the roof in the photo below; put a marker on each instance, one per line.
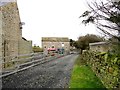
(55, 39)
(98, 43)
(4, 2)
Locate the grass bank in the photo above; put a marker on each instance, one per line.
(84, 77)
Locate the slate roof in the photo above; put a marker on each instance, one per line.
(55, 39)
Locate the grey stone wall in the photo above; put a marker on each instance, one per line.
(0, 39)
(100, 47)
(10, 29)
(0, 34)
(11, 43)
(25, 47)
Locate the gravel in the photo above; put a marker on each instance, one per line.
(53, 74)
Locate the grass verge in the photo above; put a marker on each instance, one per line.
(84, 77)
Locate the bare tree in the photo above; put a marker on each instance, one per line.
(106, 17)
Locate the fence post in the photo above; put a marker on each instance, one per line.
(16, 62)
(33, 58)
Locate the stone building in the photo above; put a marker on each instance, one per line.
(100, 46)
(56, 43)
(11, 42)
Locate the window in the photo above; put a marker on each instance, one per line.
(98, 46)
(62, 44)
(44, 46)
(52, 46)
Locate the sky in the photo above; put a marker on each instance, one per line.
(53, 18)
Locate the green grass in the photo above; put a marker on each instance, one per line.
(84, 77)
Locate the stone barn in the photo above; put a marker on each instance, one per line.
(55, 43)
(11, 41)
(100, 46)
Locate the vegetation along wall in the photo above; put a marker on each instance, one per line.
(106, 67)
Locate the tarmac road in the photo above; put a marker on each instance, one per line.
(53, 74)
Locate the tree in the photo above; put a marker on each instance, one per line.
(37, 49)
(72, 42)
(75, 44)
(106, 17)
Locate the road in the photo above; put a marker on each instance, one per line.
(53, 74)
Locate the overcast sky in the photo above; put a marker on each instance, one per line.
(53, 18)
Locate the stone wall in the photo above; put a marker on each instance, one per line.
(0, 33)
(25, 47)
(0, 38)
(55, 42)
(11, 41)
(57, 45)
(100, 46)
(10, 29)
(105, 66)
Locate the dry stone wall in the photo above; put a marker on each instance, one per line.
(106, 67)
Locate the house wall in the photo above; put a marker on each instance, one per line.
(46, 45)
(0, 34)
(0, 39)
(11, 43)
(10, 29)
